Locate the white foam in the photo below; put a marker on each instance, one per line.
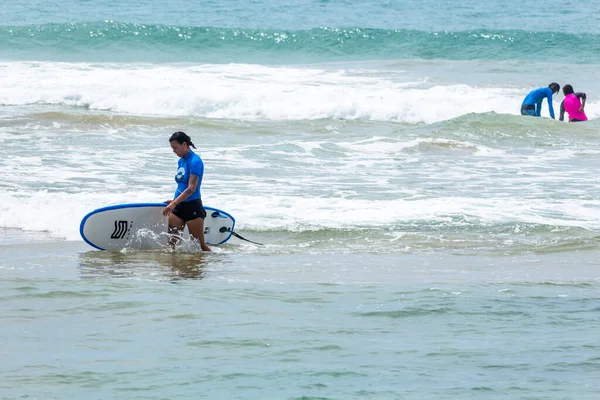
(249, 92)
(60, 213)
(55, 172)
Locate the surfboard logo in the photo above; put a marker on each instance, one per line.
(121, 228)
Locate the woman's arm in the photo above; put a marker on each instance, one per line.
(191, 188)
(582, 96)
(549, 97)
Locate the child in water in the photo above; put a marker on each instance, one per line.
(573, 104)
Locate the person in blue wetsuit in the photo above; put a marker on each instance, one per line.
(186, 207)
(532, 105)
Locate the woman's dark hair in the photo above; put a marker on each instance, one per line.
(555, 87)
(182, 137)
(567, 90)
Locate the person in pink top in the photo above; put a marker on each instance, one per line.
(573, 104)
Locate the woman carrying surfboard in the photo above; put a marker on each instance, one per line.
(186, 207)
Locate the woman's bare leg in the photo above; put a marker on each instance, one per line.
(176, 227)
(196, 229)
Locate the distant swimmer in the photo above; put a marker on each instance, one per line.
(573, 104)
(532, 105)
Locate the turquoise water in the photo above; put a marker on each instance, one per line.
(117, 41)
(422, 240)
(303, 32)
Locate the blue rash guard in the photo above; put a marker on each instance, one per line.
(535, 98)
(190, 164)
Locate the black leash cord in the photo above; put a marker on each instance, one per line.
(243, 238)
(224, 229)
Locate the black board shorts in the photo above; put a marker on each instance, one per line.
(189, 210)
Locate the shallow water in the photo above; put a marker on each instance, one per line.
(159, 325)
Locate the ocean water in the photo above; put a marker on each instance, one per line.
(422, 240)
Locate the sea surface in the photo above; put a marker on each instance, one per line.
(422, 240)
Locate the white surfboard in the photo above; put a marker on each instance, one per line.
(142, 226)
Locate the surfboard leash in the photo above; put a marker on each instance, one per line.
(243, 238)
(237, 235)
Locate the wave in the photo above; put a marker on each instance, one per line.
(461, 224)
(130, 42)
(474, 134)
(252, 92)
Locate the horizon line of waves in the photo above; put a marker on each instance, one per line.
(161, 43)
